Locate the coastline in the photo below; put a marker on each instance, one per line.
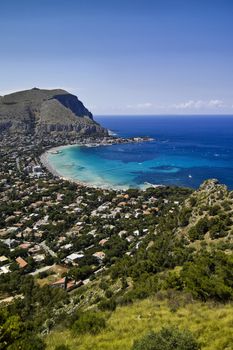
(46, 164)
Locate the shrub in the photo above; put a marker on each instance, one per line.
(209, 276)
(103, 285)
(89, 322)
(28, 343)
(184, 216)
(167, 339)
(199, 230)
(218, 227)
(108, 293)
(62, 347)
(214, 210)
(107, 304)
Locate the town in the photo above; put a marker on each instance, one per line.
(63, 233)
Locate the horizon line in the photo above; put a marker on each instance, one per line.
(164, 115)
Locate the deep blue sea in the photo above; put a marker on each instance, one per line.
(186, 151)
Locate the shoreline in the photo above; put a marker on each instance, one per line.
(45, 162)
(55, 150)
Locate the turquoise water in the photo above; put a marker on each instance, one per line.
(187, 150)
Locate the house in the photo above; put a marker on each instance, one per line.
(73, 258)
(92, 233)
(37, 171)
(12, 243)
(122, 233)
(61, 283)
(12, 230)
(25, 245)
(73, 284)
(5, 269)
(67, 246)
(35, 249)
(3, 232)
(103, 241)
(3, 259)
(21, 262)
(38, 257)
(136, 232)
(99, 255)
(66, 284)
(122, 204)
(130, 239)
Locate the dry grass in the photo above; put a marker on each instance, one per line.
(211, 325)
(56, 271)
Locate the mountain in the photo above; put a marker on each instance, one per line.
(41, 112)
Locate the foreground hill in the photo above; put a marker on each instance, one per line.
(42, 112)
(181, 276)
(166, 262)
(210, 324)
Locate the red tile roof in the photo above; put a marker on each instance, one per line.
(21, 262)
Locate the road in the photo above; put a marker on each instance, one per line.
(42, 269)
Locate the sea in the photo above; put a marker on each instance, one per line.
(186, 150)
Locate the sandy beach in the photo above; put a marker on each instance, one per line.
(45, 162)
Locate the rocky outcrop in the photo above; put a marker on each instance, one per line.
(43, 112)
(207, 214)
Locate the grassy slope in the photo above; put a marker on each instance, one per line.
(212, 325)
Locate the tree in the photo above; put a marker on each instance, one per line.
(167, 339)
(13, 335)
(199, 230)
(109, 305)
(28, 343)
(209, 276)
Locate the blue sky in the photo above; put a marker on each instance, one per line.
(122, 56)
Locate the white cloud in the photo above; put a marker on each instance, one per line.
(140, 105)
(216, 103)
(199, 104)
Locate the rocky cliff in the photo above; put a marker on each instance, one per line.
(43, 112)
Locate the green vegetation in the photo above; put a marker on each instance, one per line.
(210, 324)
(88, 322)
(209, 275)
(163, 265)
(62, 347)
(14, 334)
(167, 339)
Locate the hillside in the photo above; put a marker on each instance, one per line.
(206, 216)
(180, 276)
(43, 112)
(129, 323)
(166, 261)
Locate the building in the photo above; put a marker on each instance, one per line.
(99, 255)
(21, 262)
(66, 284)
(74, 257)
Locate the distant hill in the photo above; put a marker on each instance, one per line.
(41, 112)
